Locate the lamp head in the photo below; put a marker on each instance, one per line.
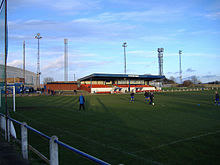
(124, 44)
(160, 49)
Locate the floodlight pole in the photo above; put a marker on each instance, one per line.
(6, 54)
(160, 60)
(24, 61)
(65, 59)
(180, 52)
(38, 37)
(124, 45)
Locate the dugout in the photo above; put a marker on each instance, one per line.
(108, 83)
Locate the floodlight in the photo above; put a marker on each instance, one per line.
(160, 49)
(124, 44)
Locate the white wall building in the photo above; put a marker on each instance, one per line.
(13, 72)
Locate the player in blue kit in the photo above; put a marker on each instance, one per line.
(151, 98)
(132, 96)
(81, 102)
(147, 96)
(217, 98)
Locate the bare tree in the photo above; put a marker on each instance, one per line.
(187, 83)
(172, 79)
(195, 80)
(48, 79)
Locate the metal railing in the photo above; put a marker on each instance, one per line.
(188, 89)
(53, 142)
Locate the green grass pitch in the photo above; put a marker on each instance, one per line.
(181, 128)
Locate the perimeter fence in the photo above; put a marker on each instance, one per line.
(53, 142)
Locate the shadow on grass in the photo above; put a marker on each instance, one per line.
(101, 103)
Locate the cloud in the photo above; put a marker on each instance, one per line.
(172, 73)
(56, 64)
(19, 64)
(209, 76)
(71, 5)
(188, 54)
(181, 30)
(190, 70)
(142, 53)
(213, 16)
(66, 6)
(74, 29)
(156, 38)
(16, 63)
(149, 15)
(78, 62)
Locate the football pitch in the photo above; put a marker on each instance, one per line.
(181, 128)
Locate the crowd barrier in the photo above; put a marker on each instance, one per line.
(191, 89)
(53, 143)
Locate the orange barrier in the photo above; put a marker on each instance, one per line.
(61, 87)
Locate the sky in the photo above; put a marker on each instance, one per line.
(96, 30)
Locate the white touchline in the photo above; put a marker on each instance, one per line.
(96, 142)
(178, 141)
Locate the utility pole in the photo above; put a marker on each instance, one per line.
(38, 37)
(180, 53)
(124, 45)
(24, 61)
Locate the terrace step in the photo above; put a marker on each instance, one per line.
(8, 155)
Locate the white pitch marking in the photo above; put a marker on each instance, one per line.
(180, 140)
(96, 142)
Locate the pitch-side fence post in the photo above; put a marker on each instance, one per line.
(4, 120)
(24, 141)
(7, 130)
(14, 98)
(53, 151)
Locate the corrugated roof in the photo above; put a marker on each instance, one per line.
(112, 76)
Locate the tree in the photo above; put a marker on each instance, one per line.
(195, 80)
(168, 81)
(172, 79)
(48, 79)
(187, 83)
